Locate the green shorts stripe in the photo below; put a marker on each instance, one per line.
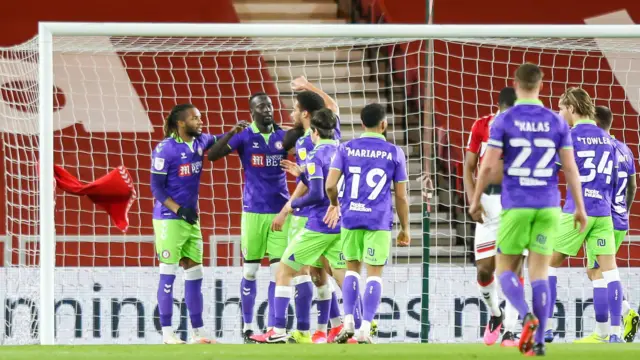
(177, 239)
(257, 239)
(533, 229)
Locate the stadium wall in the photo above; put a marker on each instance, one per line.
(108, 305)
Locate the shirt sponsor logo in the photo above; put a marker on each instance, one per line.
(189, 169)
(354, 206)
(158, 164)
(262, 160)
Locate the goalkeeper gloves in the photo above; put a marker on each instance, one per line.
(188, 215)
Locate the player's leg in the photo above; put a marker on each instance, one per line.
(568, 242)
(511, 313)
(191, 261)
(323, 301)
(168, 242)
(541, 244)
(631, 318)
(601, 246)
(377, 245)
(352, 248)
(253, 242)
(513, 238)
(302, 252)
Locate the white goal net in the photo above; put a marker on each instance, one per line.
(111, 95)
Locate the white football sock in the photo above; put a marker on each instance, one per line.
(490, 295)
(167, 332)
(510, 317)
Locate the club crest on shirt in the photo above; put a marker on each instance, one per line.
(200, 151)
(158, 164)
(311, 168)
(279, 145)
(302, 153)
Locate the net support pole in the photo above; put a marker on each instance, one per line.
(47, 224)
(426, 221)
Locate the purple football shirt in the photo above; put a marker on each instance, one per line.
(626, 169)
(530, 137)
(317, 167)
(596, 160)
(369, 165)
(304, 146)
(265, 189)
(182, 164)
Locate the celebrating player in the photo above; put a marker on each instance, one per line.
(316, 239)
(261, 147)
(624, 193)
(595, 154)
(530, 137)
(175, 181)
(486, 231)
(308, 100)
(369, 164)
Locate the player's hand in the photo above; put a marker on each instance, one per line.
(278, 221)
(403, 238)
(580, 217)
(240, 126)
(332, 217)
(299, 84)
(477, 211)
(291, 167)
(188, 215)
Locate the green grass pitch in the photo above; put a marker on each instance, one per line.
(303, 352)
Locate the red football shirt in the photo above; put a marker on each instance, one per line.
(479, 136)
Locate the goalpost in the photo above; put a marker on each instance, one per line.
(92, 96)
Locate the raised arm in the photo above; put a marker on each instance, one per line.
(221, 147)
(302, 84)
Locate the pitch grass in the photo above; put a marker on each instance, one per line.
(312, 352)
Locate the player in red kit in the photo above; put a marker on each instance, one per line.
(487, 230)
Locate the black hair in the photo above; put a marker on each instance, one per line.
(258, 94)
(324, 121)
(372, 115)
(507, 97)
(604, 117)
(309, 101)
(176, 114)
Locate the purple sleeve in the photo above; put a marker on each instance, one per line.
(158, 182)
(337, 132)
(237, 140)
(209, 140)
(632, 162)
(400, 174)
(496, 132)
(314, 195)
(337, 162)
(565, 136)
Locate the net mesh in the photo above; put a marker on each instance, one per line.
(112, 94)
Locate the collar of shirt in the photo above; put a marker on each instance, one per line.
(372, 135)
(529, 102)
(179, 140)
(324, 142)
(255, 130)
(584, 121)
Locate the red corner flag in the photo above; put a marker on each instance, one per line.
(113, 192)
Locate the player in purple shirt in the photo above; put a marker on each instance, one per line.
(176, 165)
(316, 239)
(308, 100)
(369, 165)
(529, 137)
(624, 193)
(595, 155)
(261, 147)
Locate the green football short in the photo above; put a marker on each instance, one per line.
(618, 238)
(308, 246)
(257, 239)
(372, 246)
(532, 229)
(296, 226)
(177, 239)
(598, 236)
